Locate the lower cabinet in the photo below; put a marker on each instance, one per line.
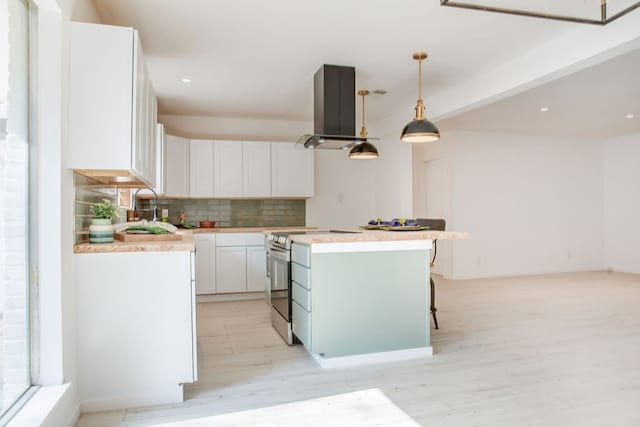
(205, 263)
(136, 341)
(256, 268)
(301, 324)
(231, 271)
(301, 293)
(230, 263)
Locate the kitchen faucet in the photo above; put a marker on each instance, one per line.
(155, 202)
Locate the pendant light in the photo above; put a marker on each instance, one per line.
(364, 150)
(420, 129)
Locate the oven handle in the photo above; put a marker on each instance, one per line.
(279, 254)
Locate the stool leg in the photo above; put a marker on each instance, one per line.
(433, 302)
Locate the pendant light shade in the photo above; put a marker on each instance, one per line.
(364, 150)
(420, 129)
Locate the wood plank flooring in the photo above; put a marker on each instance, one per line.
(552, 350)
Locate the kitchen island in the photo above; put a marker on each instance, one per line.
(363, 297)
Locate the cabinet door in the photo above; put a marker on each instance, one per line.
(150, 152)
(101, 60)
(256, 268)
(231, 269)
(140, 105)
(201, 173)
(205, 263)
(256, 169)
(177, 167)
(227, 169)
(291, 170)
(161, 155)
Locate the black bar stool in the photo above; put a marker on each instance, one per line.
(438, 225)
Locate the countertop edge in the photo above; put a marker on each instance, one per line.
(187, 244)
(378, 236)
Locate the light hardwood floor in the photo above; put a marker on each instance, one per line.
(552, 350)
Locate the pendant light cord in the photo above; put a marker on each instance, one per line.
(363, 131)
(420, 79)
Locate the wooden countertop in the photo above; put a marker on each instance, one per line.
(187, 244)
(376, 236)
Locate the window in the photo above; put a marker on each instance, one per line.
(14, 184)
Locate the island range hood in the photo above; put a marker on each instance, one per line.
(334, 115)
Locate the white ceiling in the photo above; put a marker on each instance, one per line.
(591, 103)
(256, 58)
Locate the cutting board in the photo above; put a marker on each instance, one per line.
(125, 237)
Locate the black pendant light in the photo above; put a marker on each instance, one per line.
(420, 129)
(364, 150)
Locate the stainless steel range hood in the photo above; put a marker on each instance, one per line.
(334, 115)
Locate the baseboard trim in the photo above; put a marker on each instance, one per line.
(371, 358)
(229, 297)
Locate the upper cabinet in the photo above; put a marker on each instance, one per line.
(161, 156)
(111, 102)
(232, 169)
(291, 171)
(176, 167)
(228, 169)
(256, 169)
(201, 168)
(236, 169)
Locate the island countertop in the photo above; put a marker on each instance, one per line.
(376, 236)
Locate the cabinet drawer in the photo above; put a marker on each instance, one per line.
(301, 254)
(240, 239)
(302, 296)
(301, 274)
(301, 324)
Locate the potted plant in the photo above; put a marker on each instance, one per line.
(101, 228)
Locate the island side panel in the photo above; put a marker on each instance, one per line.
(369, 302)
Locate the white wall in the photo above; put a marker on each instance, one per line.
(621, 158)
(393, 170)
(532, 205)
(344, 191)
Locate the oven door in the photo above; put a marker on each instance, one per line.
(280, 271)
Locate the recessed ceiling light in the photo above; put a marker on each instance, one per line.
(186, 80)
(630, 116)
(544, 109)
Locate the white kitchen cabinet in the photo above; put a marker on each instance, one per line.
(201, 168)
(112, 103)
(227, 169)
(176, 167)
(205, 263)
(161, 156)
(256, 169)
(231, 269)
(135, 334)
(291, 171)
(230, 263)
(256, 268)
